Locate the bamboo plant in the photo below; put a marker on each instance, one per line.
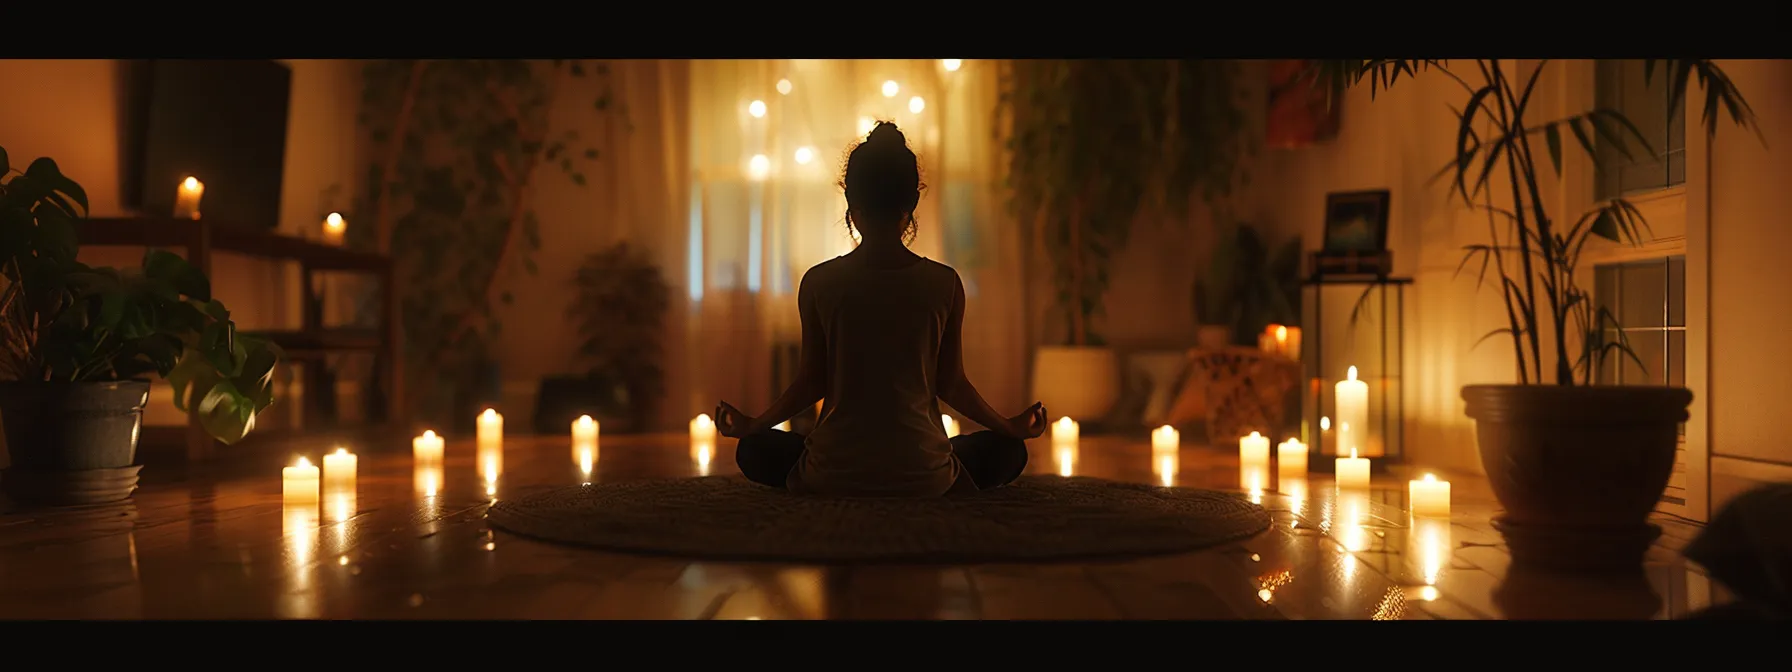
(1533, 256)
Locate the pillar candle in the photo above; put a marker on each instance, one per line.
(950, 424)
(490, 458)
(1065, 430)
(702, 453)
(186, 198)
(1166, 439)
(1291, 460)
(585, 456)
(299, 483)
(1353, 414)
(703, 428)
(335, 229)
(339, 471)
(1165, 464)
(1292, 346)
(1064, 455)
(1430, 497)
(1253, 462)
(584, 430)
(490, 428)
(1353, 472)
(427, 449)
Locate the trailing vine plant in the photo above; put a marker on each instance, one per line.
(456, 147)
(1094, 144)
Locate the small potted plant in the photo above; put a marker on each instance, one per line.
(619, 309)
(78, 344)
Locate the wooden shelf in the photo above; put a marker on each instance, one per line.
(171, 232)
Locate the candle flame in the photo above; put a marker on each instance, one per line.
(302, 463)
(1430, 478)
(1353, 452)
(1325, 424)
(341, 451)
(334, 221)
(1281, 333)
(1352, 373)
(189, 184)
(585, 420)
(1255, 435)
(489, 414)
(429, 433)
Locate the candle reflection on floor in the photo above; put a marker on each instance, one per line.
(491, 465)
(428, 478)
(299, 529)
(585, 457)
(339, 509)
(1064, 456)
(1352, 513)
(1295, 488)
(703, 452)
(1430, 545)
(1165, 464)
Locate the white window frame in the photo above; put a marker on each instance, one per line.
(1679, 224)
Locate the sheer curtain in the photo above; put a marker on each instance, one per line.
(767, 140)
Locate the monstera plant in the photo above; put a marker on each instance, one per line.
(79, 344)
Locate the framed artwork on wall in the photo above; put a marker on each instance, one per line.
(1299, 113)
(1356, 234)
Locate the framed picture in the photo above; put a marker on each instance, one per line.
(1356, 222)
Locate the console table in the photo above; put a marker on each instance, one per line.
(200, 239)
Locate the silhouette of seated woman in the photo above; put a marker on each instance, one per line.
(881, 347)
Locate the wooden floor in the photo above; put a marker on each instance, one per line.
(221, 545)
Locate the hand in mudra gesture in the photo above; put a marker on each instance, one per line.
(732, 423)
(1029, 424)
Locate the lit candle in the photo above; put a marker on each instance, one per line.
(702, 452)
(1292, 346)
(427, 449)
(584, 430)
(1065, 431)
(1430, 497)
(585, 455)
(703, 428)
(1291, 460)
(334, 229)
(339, 471)
(186, 199)
(1253, 462)
(299, 482)
(1353, 415)
(1353, 472)
(490, 428)
(950, 424)
(490, 458)
(1166, 439)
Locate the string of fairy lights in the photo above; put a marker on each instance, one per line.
(759, 166)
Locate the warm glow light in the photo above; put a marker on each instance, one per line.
(1352, 407)
(784, 87)
(951, 425)
(703, 428)
(428, 479)
(584, 430)
(1325, 424)
(427, 449)
(1064, 454)
(891, 88)
(702, 453)
(339, 472)
(951, 64)
(916, 104)
(866, 124)
(334, 228)
(759, 166)
(186, 199)
(1166, 464)
(1065, 430)
(756, 108)
(190, 184)
(299, 482)
(1353, 472)
(1429, 497)
(804, 155)
(490, 428)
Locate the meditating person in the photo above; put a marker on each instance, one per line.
(881, 347)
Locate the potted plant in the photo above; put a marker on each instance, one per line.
(1092, 146)
(619, 309)
(78, 343)
(1578, 467)
(1244, 288)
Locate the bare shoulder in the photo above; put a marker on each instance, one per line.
(943, 270)
(820, 272)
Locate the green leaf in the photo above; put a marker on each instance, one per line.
(169, 268)
(54, 237)
(226, 413)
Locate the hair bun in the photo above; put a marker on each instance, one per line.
(886, 132)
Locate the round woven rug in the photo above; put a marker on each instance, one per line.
(1035, 519)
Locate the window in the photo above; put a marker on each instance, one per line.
(1621, 85)
(1649, 300)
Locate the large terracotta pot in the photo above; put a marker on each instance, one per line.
(1081, 383)
(1578, 469)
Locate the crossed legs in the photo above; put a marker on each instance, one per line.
(990, 459)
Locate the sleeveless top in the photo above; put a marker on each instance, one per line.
(879, 434)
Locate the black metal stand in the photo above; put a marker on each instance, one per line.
(1386, 393)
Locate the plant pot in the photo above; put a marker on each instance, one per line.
(1213, 336)
(1578, 469)
(1082, 383)
(72, 443)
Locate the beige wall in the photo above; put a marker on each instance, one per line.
(70, 110)
(1398, 141)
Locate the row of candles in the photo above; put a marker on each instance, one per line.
(191, 191)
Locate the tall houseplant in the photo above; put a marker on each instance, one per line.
(1093, 145)
(457, 147)
(619, 310)
(1247, 286)
(78, 344)
(1577, 467)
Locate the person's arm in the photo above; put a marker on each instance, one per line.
(812, 366)
(954, 387)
